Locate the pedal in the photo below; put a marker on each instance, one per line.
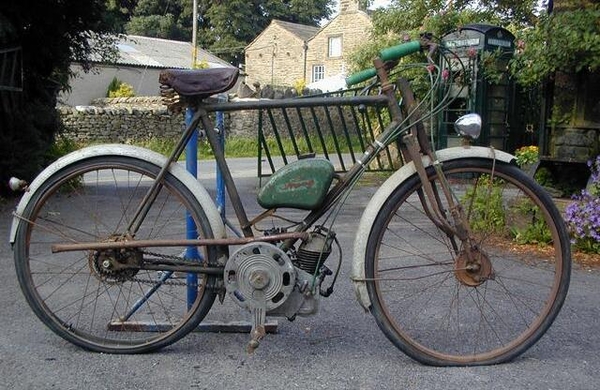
(259, 317)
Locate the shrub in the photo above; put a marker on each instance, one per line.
(485, 205)
(532, 228)
(117, 88)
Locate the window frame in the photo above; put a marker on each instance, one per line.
(331, 47)
(317, 70)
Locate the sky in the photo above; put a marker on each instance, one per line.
(380, 3)
(376, 4)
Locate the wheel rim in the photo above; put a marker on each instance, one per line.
(450, 315)
(73, 294)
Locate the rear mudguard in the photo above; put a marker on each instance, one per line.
(382, 194)
(200, 193)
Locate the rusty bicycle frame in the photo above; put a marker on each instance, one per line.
(412, 138)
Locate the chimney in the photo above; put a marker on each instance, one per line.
(348, 6)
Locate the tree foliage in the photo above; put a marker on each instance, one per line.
(441, 16)
(50, 34)
(566, 40)
(408, 18)
(168, 19)
(225, 27)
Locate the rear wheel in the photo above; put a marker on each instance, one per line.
(98, 300)
(445, 304)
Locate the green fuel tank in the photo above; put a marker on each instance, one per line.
(301, 184)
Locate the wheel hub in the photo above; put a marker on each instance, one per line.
(473, 267)
(115, 265)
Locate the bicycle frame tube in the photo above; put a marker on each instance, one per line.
(152, 193)
(334, 193)
(387, 98)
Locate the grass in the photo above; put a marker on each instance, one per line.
(248, 147)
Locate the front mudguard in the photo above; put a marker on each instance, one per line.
(200, 193)
(383, 193)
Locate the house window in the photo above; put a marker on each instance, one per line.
(335, 46)
(318, 72)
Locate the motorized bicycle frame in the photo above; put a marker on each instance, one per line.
(412, 140)
(440, 206)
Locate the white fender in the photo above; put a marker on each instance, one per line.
(157, 159)
(383, 193)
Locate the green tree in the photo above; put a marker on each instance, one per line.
(408, 18)
(225, 27)
(566, 40)
(168, 19)
(50, 35)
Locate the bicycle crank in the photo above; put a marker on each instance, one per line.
(259, 277)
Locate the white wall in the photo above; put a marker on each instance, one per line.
(92, 85)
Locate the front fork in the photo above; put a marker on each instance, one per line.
(472, 266)
(431, 200)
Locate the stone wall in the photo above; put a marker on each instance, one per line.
(120, 120)
(573, 144)
(133, 119)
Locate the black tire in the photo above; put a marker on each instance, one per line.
(440, 310)
(71, 292)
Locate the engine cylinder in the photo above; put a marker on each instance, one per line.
(313, 252)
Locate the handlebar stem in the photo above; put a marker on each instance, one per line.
(387, 89)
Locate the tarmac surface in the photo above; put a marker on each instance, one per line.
(339, 348)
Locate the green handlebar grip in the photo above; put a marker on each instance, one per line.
(391, 53)
(361, 76)
(396, 52)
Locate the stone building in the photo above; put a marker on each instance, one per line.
(285, 53)
(277, 56)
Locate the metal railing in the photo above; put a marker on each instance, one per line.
(339, 129)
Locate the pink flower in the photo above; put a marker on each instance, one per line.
(445, 74)
(430, 68)
(472, 52)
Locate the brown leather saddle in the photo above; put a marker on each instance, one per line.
(199, 83)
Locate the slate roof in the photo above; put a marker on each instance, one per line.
(302, 31)
(136, 50)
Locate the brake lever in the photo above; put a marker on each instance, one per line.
(427, 41)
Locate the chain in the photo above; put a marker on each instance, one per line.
(168, 282)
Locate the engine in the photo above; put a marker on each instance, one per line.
(261, 276)
(313, 252)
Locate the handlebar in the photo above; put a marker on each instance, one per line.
(399, 51)
(388, 54)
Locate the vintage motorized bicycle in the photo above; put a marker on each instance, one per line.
(104, 257)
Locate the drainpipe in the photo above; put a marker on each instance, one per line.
(305, 47)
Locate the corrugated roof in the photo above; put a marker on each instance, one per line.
(162, 53)
(300, 30)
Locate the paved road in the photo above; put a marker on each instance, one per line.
(340, 348)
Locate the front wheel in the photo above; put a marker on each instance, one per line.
(445, 304)
(104, 300)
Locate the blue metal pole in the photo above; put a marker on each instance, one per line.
(220, 182)
(191, 164)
